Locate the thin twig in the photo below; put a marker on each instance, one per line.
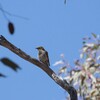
(64, 84)
(10, 14)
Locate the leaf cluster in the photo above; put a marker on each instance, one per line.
(85, 75)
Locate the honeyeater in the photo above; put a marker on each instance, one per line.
(43, 56)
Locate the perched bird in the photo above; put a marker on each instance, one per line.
(43, 56)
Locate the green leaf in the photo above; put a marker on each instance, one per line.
(84, 42)
(2, 75)
(10, 64)
(94, 35)
(11, 27)
(62, 70)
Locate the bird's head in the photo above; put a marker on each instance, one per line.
(40, 48)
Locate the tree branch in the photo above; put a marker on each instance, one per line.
(64, 84)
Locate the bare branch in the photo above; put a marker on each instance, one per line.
(64, 84)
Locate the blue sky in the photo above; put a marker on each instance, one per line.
(59, 28)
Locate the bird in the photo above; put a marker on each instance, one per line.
(43, 56)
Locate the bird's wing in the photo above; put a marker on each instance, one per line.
(47, 58)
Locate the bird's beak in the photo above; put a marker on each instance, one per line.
(37, 47)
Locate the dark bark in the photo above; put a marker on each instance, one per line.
(63, 83)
